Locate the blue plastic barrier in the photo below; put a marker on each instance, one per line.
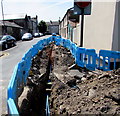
(83, 58)
(58, 41)
(50, 39)
(90, 59)
(40, 45)
(106, 57)
(17, 81)
(62, 42)
(80, 55)
(116, 56)
(27, 58)
(73, 49)
(66, 43)
(12, 92)
(21, 72)
(28, 55)
(34, 50)
(12, 110)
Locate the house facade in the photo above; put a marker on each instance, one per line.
(53, 27)
(101, 28)
(29, 24)
(18, 25)
(10, 28)
(68, 23)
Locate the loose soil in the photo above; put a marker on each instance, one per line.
(74, 90)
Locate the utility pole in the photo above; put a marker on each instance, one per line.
(3, 32)
(82, 25)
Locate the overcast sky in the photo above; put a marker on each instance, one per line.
(45, 9)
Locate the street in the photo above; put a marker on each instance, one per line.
(7, 63)
(77, 72)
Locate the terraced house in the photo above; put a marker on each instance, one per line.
(101, 28)
(10, 28)
(23, 24)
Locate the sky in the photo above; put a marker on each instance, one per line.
(45, 9)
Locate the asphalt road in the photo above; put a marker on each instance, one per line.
(7, 63)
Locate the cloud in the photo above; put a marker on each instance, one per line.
(56, 3)
(52, 9)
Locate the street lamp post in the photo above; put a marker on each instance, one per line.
(3, 32)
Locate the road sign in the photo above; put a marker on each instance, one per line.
(79, 5)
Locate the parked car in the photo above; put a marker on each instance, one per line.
(36, 34)
(27, 36)
(7, 41)
(41, 34)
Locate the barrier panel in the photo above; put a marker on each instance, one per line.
(116, 56)
(90, 59)
(67, 43)
(12, 107)
(58, 41)
(12, 92)
(11, 84)
(45, 42)
(80, 55)
(21, 75)
(17, 82)
(34, 50)
(62, 42)
(27, 58)
(106, 57)
(50, 39)
(40, 45)
(83, 58)
(28, 55)
(73, 49)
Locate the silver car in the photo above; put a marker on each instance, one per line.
(27, 36)
(36, 35)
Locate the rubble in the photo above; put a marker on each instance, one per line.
(74, 90)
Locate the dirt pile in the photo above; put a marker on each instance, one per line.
(86, 95)
(80, 91)
(74, 90)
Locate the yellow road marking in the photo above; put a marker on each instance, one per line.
(4, 54)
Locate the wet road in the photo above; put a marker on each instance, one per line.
(7, 63)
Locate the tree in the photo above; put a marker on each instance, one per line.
(42, 26)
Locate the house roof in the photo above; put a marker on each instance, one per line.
(9, 24)
(71, 16)
(18, 16)
(66, 13)
(14, 16)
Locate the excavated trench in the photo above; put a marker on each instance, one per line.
(68, 89)
(32, 101)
